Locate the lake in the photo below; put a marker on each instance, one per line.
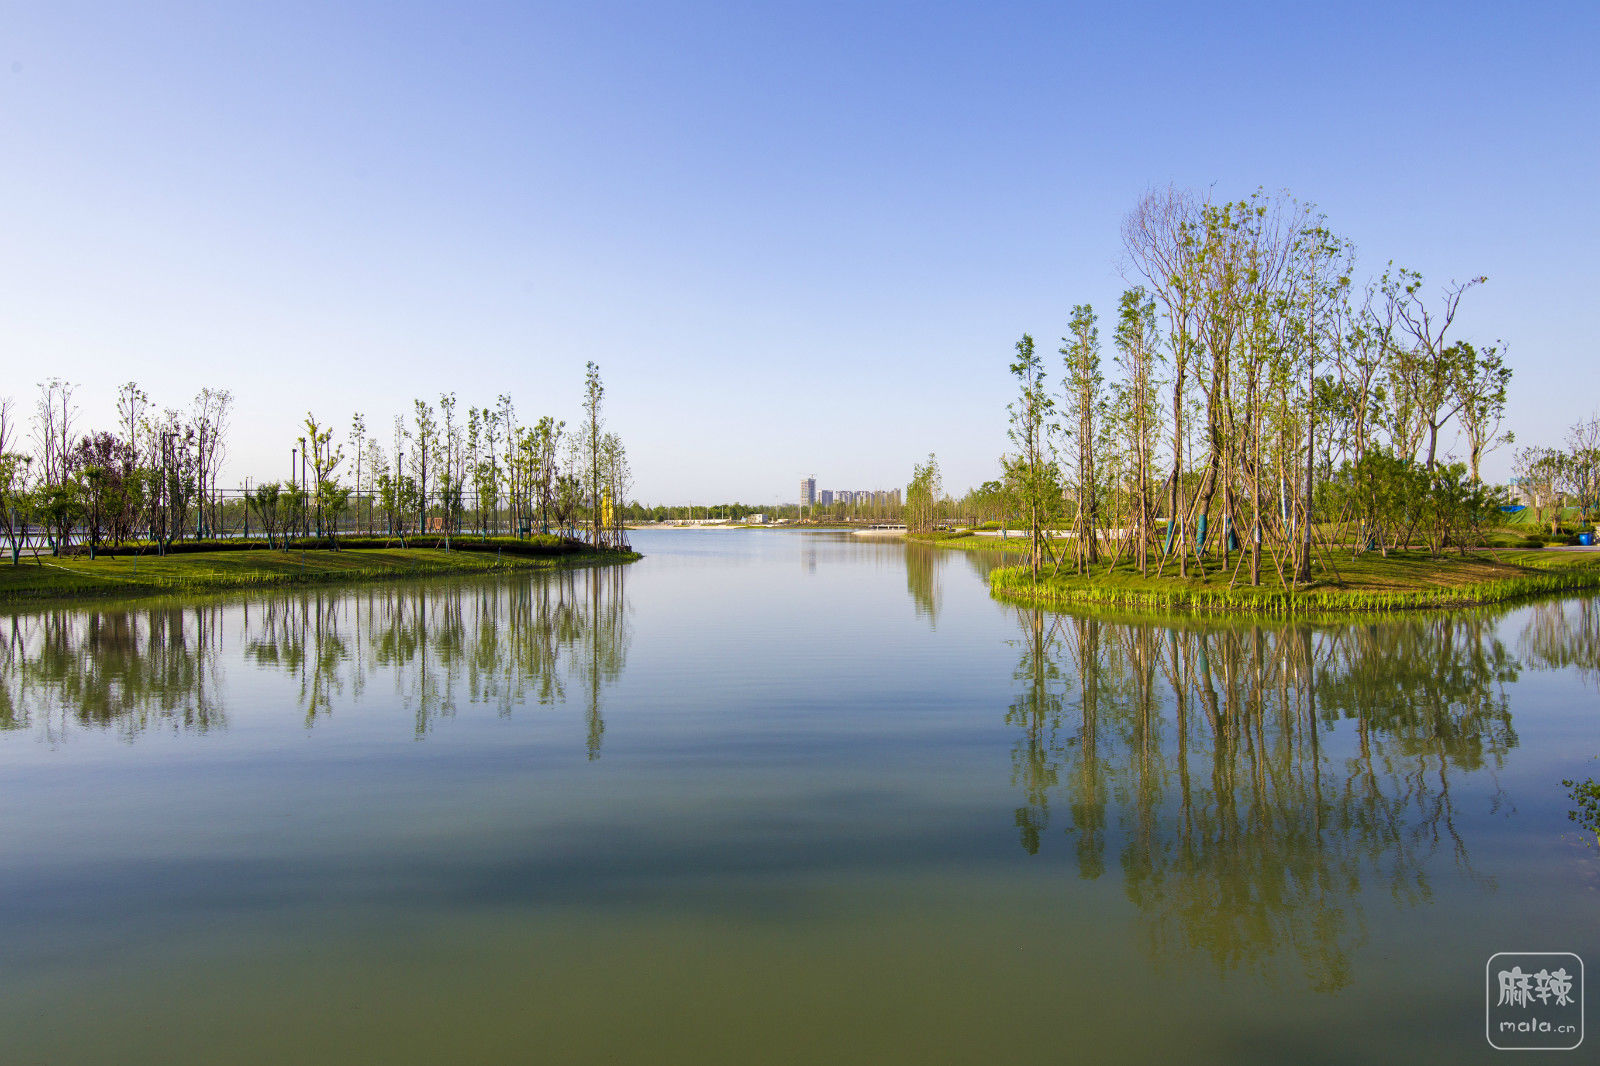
(778, 797)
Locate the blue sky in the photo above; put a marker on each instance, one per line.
(796, 238)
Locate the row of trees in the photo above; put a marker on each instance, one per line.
(442, 473)
(1550, 477)
(1257, 387)
(155, 472)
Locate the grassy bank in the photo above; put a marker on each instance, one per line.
(237, 568)
(541, 545)
(1403, 581)
(966, 541)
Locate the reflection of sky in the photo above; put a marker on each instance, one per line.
(781, 745)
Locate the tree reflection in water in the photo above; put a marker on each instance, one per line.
(1564, 634)
(128, 669)
(1254, 780)
(503, 644)
(922, 579)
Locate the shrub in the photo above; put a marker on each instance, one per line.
(1586, 796)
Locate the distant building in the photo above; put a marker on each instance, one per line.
(860, 499)
(756, 519)
(808, 492)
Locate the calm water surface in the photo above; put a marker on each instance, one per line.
(777, 797)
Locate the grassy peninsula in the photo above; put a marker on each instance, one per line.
(1404, 580)
(138, 571)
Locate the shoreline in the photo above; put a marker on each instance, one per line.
(974, 542)
(1402, 582)
(73, 579)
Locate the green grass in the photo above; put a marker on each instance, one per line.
(1403, 581)
(1513, 536)
(135, 575)
(966, 541)
(1527, 517)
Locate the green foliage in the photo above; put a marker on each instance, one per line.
(1394, 500)
(1586, 795)
(60, 509)
(1086, 423)
(111, 485)
(157, 475)
(1030, 473)
(265, 501)
(988, 504)
(590, 433)
(1454, 510)
(1377, 490)
(333, 500)
(18, 501)
(543, 448)
(1580, 467)
(922, 496)
(1480, 386)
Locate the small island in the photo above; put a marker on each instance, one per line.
(139, 509)
(137, 570)
(1405, 580)
(1269, 434)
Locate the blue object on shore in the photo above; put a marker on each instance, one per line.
(1586, 539)
(1514, 508)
